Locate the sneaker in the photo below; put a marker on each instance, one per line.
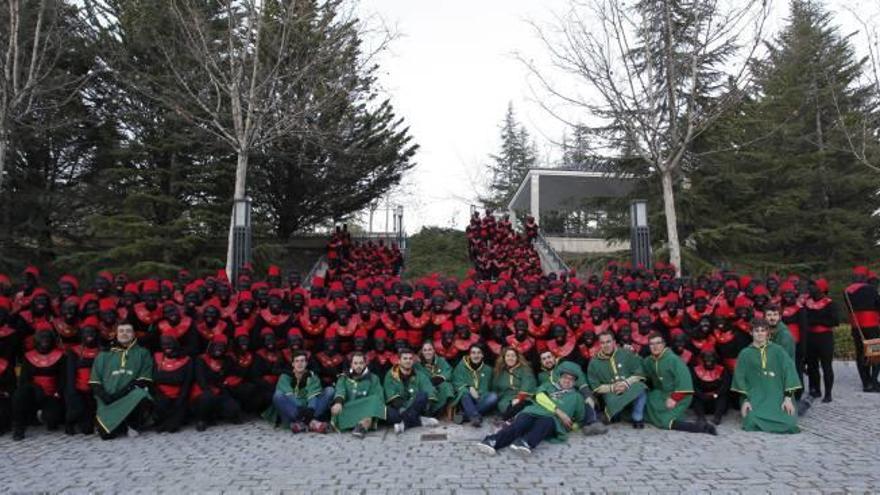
(595, 428)
(316, 426)
(131, 432)
(487, 447)
(359, 431)
(399, 428)
(298, 427)
(710, 429)
(429, 421)
(521, 447)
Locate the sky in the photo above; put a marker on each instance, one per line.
(451, 73)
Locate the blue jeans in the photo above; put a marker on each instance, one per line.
(290, 411)
(410, 416)
(474, 408)
(589, 415)
(638, 410)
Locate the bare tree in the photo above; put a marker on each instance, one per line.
(655, 74)
(30, 40)
(236, 70)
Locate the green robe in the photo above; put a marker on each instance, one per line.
(552, 376)
(549, 397)
(464, 377)
(115, 370)
(439, 368)
(763, 376)
(418, 382)
(362, 397)
(782, 335)
(607, 370)
(509, 384)
(301, 394)
(666, 374)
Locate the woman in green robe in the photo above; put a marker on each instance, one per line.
(617, 376)
(120, 380)
(766, 377)
(513, 381)
(359, 400)
(440, 373)
(672, 389)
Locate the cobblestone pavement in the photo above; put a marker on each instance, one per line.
(841, 438)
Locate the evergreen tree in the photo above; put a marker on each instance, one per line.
(509, 167)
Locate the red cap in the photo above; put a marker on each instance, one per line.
(70, 279)
(105, 274)
(822, 285)
(380, 334)
(241, 331)
(150, 285)
(265, 331)
(860, 270)
(536, 304)
(787, 287)
(274, 271)
(743, 302)
(107, 304)
(294, 332)
(219, 338)
(245, 295)
(760, 290)
(91, 321)
(32, 270)
(447, 327)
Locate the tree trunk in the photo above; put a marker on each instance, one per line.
(240, 177)
(671, 220)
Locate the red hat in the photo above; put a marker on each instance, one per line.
(86, 299)
(245, 295)
(380, 334)
(70, 279)
(672, 297)
(32, 270)
(860, 270)
(318, 282)
(560, 321)
(418, 295)
(742, 302)
(4, 279)
(787, 287)
(294, 332)
(276, 293)
(536, 304)
(107, 304)
(131, 288)
(701, 294)
(43, 326)
(760, 290)
(5, 303)
(241, 331)
(732, 284)
(462, 319)
(90, 321)
(363, 299)
(744, 281)
(259, 285)
(274, 271)
(219, 338)
(221, 276)
(105, 274)
(330, 333)
(822, 285)
(643, 312)
(265, 331)
(723, 312)
(360, 333)
(447, 327)
(39, 291)
(316, 303)
(150, 285)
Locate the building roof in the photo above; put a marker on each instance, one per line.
(561, 189)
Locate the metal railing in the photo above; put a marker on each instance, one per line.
(550, 254)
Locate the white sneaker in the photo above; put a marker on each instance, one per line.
(132, 432)
(399, 428)
(485, 448)
(428, 421)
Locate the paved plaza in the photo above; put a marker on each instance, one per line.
(838, 451)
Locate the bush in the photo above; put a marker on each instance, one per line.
(436, 250)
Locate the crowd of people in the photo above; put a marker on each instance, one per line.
(360, 347)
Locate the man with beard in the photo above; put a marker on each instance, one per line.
(767, 380)
(617, 376)
(359, 399)
(120, 380)
(173, 376)
(299, 401)
(40, 385)
(472, 379)
(671, 390)
(409, 394)
(80, 401)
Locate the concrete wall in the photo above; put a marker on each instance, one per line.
(585, 245)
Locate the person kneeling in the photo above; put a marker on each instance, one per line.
(120, 380)
(299, 400)
(408, 394)
(548, 417)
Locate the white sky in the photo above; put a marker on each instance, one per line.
(451, 75)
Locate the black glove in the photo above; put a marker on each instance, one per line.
(437, 380)
(102, 394)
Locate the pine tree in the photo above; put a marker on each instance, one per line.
(509, 167)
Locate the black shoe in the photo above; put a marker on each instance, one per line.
(639, 425)
(827, 398)
(18, 435)
(69, 429)
(815, 393)
(477, 421)
(710, 429)
(201, 426)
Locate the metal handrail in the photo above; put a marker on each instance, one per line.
(545, 246)
(321, 261)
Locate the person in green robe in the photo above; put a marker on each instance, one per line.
(472, 382)
(779, 332)
(672, 389)
(513, 381)
(120, 381)
(440, 373)
(616, 375)
(408, 393)
(300, 402)
(359, 400)
(550, 366)
(765, 375)
(550, 416)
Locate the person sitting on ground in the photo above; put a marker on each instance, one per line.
(358, 402)
(440, 373)
(299, 401)
(408, 394)
(617, 376)
(550, 366)
(671, 389)
(549, 416)
(472, 379)
(513, 381)
(120, 381)
(766, 378)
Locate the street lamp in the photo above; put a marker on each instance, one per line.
(241, 236)
(640, 242)
(398, 215)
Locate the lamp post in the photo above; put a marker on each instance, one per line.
(241, 236)
(640, 242)
(398, 224)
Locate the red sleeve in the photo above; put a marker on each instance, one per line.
(677, 396)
